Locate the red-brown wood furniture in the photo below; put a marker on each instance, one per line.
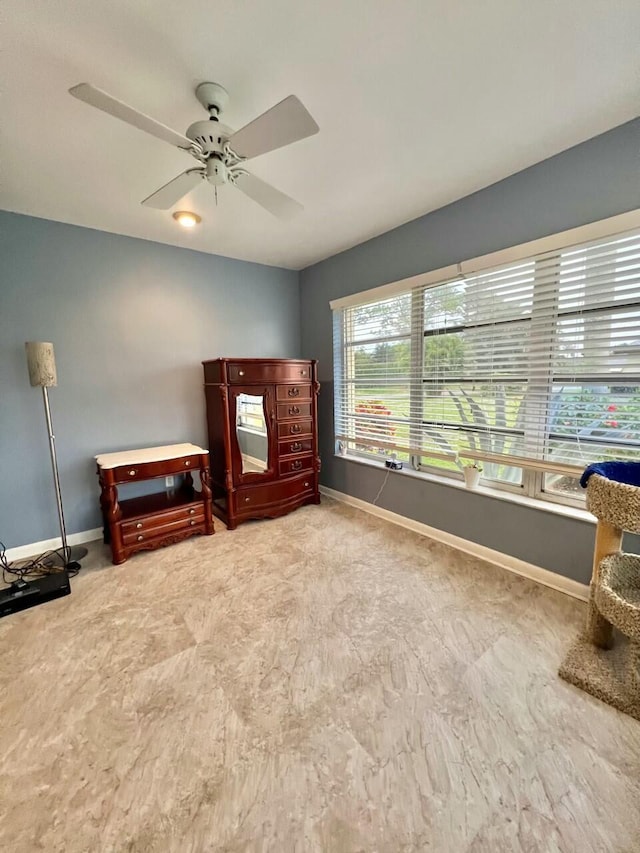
(269, 405)
(164, 517)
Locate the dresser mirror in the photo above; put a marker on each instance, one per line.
(251, 432)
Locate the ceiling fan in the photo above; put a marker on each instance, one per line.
(220, 152)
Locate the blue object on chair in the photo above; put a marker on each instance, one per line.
(621, 472)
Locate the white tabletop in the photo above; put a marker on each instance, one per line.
(147, 454)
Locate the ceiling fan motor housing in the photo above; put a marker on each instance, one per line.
(210, 135)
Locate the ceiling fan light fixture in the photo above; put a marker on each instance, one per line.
(186, 218)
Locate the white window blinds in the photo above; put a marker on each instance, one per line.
(533, 364)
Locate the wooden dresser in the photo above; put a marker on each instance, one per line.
(263, 436)
(163, 517)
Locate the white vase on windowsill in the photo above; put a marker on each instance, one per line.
(471, 476)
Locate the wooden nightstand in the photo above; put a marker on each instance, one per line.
(162, 518)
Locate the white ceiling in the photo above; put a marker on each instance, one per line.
(419, 102)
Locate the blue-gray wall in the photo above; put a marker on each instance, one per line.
(592, 181)
(131, 321)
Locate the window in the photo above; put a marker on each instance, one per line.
(531, 368)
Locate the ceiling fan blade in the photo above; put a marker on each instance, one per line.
(283, 124)
(102, 101)
(269, 197)
(171, 193)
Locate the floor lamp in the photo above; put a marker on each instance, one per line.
(42, 373)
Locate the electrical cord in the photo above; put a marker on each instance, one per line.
(44, 564)
(384, 483)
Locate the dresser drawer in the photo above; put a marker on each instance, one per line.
(293, 392)
(268, 371)
(293, 410)
(158, 526)
(293, 446)
(249, 497)
(287, 429)
(149, 470)
(295, 466)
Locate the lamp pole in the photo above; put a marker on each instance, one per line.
(56, 477)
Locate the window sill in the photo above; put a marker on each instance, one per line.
(485, 491)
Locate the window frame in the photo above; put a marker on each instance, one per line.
(544, 325)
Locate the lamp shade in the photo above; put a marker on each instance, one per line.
(42, 364)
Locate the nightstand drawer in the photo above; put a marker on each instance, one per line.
(148, 523)
(157, 529)
(149, 470)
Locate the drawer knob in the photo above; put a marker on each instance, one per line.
(192, 522)
(187, 462)
(303, 373)
(294, 410)
(297, 465)
(132, 472)
(293, 392)
(138, 525)
(192, 512)
(306, 485)
(241, 373)
(296, 446)
(140, 538)
(246, 500)
(295, 428)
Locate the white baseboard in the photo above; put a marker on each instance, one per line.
(35, 548)
(504, 561)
